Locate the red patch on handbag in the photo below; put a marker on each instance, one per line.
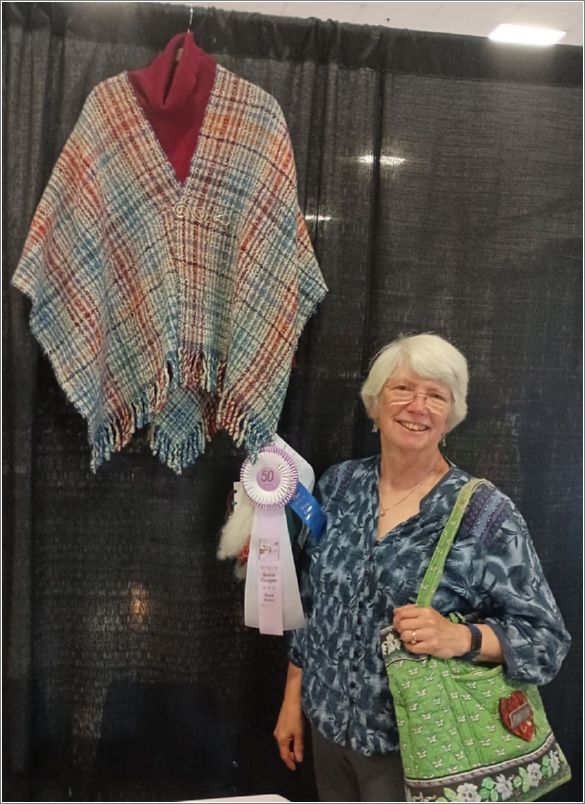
(516, 714)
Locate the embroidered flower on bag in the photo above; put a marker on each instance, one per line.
(390, 644)
(555, 762)
(417, 796)
(534, 774)
(468, 792)
(504, 787)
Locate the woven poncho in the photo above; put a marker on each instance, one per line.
(173, 305)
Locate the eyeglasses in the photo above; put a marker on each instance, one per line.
(403, 394)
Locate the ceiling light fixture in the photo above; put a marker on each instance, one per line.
(526, 35)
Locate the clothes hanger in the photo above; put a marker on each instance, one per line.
(180, 50)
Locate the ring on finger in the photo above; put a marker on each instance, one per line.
(413, 640)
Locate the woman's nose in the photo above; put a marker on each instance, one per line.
(419, 402)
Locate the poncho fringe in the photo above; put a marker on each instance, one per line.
(206, 373)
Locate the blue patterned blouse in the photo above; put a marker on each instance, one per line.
(351, 583)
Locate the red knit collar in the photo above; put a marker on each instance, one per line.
(165, 88)
(174, 97)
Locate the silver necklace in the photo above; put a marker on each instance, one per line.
(384, 511)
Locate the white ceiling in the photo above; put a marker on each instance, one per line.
(476, 19)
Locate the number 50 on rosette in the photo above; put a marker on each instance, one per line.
(272, 601)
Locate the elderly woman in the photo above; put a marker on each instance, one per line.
(384, 517)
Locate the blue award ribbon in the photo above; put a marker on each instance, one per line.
(309, 510)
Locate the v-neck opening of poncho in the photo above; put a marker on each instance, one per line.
(425, 502)
(179, 188)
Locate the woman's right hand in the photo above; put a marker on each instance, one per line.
(289, 733)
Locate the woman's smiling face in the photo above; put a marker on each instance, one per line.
(413, 411)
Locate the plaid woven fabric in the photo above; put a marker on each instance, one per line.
(177, 306)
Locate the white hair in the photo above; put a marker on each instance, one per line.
(430, 357)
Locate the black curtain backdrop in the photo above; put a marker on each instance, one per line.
(128, 672)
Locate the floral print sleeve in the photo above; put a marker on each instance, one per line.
(295, 638)
(517, 600)
(333, 482)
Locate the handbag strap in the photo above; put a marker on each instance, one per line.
(434, 572)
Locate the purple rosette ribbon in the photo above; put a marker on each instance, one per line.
(272, 600)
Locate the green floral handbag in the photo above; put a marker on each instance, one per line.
(467, 733)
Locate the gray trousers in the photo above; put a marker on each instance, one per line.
(344, 775)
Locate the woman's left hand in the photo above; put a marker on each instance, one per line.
(424, 630)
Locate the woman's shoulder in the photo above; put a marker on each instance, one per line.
(336, 479)
(488, 510)
(351, 466)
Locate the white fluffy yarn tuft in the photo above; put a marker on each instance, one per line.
(240, 571)
(237, 529)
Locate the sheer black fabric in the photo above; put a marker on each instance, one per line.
(441, 180)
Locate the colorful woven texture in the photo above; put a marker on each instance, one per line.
(177, 306)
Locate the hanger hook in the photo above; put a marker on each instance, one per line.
(190, 19)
